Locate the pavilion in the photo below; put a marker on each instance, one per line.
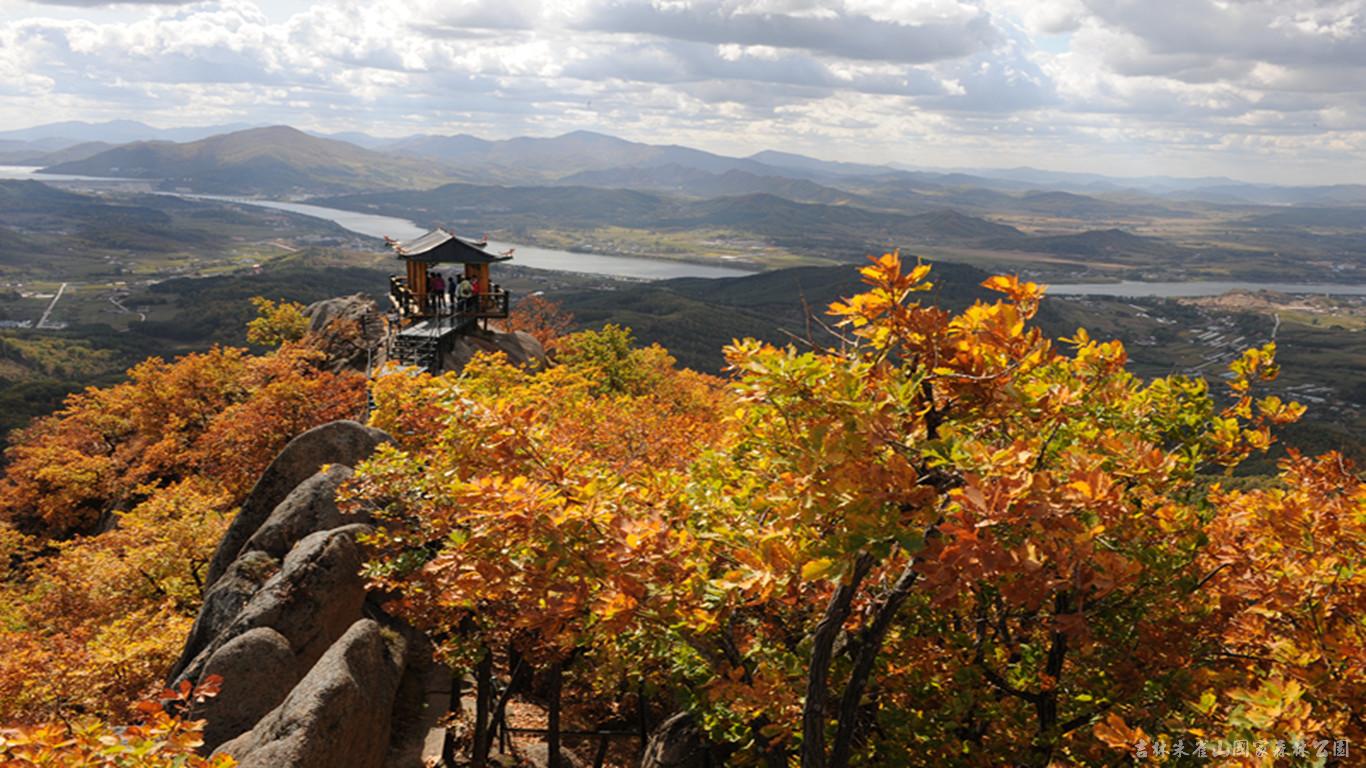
(427, 322)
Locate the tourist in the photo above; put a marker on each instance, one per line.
(464, 291)
(438, 289)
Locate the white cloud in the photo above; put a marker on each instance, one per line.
(1198, 85)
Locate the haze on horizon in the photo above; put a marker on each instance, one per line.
(1261, 90)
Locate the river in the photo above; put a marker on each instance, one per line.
(660, 269)
(401, 229)
(524, 255)
(1190, 289)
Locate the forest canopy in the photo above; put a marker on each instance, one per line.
(942, 539)
(111, 508)
(946, 540)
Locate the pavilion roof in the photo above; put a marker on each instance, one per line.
(440, 246)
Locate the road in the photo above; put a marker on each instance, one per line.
(115, 301)
(42, 321)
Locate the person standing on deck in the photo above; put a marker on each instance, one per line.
(437, 286)
(464, 292)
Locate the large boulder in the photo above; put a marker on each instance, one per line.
(521, 348)
(310, 507)
(338, 716)
(224, 600)
(258, 670)
(351, 330)
(317, 594)
(338, 442)
(309, 677)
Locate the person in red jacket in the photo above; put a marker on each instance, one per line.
(437, 291)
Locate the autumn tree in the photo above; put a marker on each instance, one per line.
(276, 322)
(223, 412)
(499, 455)
(1287, 565)
(533, 509)
(160, 738)
(92, 624)
(110, 510)
(544, 318)
(947, 540)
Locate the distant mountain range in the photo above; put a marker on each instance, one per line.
(844, 232)
(593, 159)
(529, 158)
(276, 160)
(674, 178)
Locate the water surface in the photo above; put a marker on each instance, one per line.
(1194, 288)
(375, 225)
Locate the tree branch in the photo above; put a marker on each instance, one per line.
(1207, 577)
(818, 675)
(870, 645)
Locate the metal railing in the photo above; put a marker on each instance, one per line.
(493, 304)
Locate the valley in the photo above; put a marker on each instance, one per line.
(165, 263)
(590, 192)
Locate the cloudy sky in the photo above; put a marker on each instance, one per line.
(1270, 90)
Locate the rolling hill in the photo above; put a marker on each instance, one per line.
(276, 160)
(673, 178)
(55, 233)
(529, 158)
(1114, 245)
(73, 153)
(844, 232)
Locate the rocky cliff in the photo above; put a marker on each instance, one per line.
(314, 672)
(352, 332)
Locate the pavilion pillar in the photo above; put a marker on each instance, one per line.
(417, 283)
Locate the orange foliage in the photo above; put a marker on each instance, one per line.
(158, 740)
(525, 475)
(223, 413)
(541, 317)
(950, 541)
(95, 624)
(1287, 571)
(91, 623)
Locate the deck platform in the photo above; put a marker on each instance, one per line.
(438, 327)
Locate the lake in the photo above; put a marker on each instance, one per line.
(1194, 288)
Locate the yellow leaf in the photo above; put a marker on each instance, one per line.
(814, 569)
